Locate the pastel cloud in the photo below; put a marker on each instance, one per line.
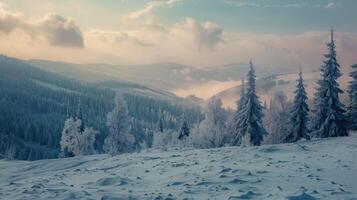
(58, 30)
(142, 36)
(207, 34)
(61, 32)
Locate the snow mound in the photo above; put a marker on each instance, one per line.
(308, 170)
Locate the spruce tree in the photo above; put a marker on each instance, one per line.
(329, 119)
(185, 131)
(352, 108)
(250, 127)
(80, 115)
(160, 122)
(237, 116)
(299, 113)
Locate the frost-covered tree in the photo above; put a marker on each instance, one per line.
(299, 113)
(166, 139)
(251, 123)
(75, 142)
(211, 132)
(69, 136)
(86, 141)
(119, 140)
(352, 108)
(234, 127)
(329, 119)
(184, 131)
(276, 120)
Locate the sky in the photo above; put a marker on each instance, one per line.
(193, 32)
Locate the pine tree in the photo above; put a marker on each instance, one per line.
(352, 108)
(69, 139)
(75, 142)
(184, 131)
(329, 119)
(299, 113)
(251, 115)
(160, 122)
(80, 115)
(237, 116)
(119, 140)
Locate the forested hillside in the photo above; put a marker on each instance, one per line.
(34, 104)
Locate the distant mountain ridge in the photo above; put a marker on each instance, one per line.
(165, 76)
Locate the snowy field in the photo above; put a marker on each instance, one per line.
(321, 169)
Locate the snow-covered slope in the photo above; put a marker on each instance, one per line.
(320, 169)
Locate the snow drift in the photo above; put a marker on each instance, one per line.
(318, 169)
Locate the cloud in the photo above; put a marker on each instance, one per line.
(57, 30)
(330, 5)
(10, 21)
(145, 18)
(121, 38)
(263, 4)
(61, 32)
(125, 37)
(207, 34)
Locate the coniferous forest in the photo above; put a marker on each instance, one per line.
(35, 104)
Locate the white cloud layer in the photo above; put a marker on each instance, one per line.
(207, 34)
(58, 30)
(142, 37)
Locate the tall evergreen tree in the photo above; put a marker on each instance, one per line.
(237, 116)
(329, 119)
(184, 131)
(160, 122)
(250, 127)
(299, 113)
(79, 115)
(352, 108)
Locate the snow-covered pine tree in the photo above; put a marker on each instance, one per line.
(237, 120)
(184, 131)
(276, 119)
(299, 113)
(69, 138)
(329, 119)
(352, 108)
(251, 117)
(211, 132)
(80, 115)
(75, 142)
(119, 140)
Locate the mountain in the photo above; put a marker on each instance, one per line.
(309, 170)
(34, 104)
(269, 85)
(165, 76)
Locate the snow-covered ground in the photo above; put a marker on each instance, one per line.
(320, 169)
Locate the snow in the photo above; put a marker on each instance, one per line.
(317, 169)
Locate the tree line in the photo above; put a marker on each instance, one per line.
(254, 123)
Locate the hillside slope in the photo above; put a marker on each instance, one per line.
(34, 104)
(319, 169)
